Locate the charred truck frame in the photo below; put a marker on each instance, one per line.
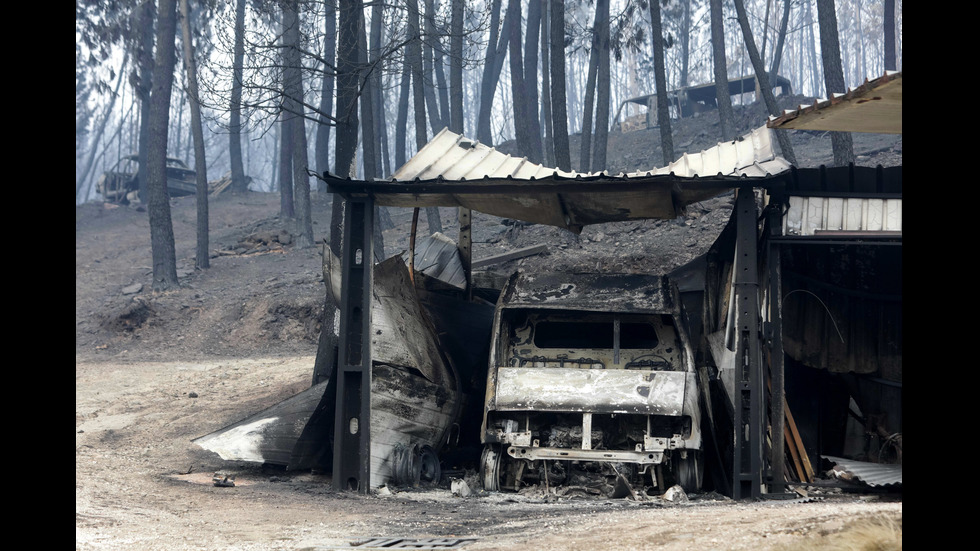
(590, 374)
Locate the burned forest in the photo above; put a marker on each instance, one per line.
(483, 274)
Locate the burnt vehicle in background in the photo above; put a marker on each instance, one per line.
(121, 183)
(591, 386)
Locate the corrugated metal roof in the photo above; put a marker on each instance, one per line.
(454, 171)
(450, 156)
(875, 106)
(872, 474)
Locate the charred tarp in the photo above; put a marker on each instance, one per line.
(416, 394)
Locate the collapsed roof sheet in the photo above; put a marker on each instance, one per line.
(454, 171)
(632, 293)
(875, 107)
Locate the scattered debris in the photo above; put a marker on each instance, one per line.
(220, 185)
(416, 396)
(459, 487)
(871, 474)
(132, 289)
(676, 494)
(223, 480)
(259, 242)
(512, 255)
(411, 543)
(131, 316)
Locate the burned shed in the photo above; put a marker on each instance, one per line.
(452, 171)
(700, 366)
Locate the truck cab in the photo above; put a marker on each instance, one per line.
(591, 386)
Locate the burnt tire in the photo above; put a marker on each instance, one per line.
(490, 464)
(430, 471)
(688, 471)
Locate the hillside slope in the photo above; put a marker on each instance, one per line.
(263, 297)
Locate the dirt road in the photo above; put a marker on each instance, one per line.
(141, 483)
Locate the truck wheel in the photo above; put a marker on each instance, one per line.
(490, 463)
(689, 471)
(430, 471)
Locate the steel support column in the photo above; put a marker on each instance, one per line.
(750, 403)
(774, 338)
(465, 216)
(352, 425)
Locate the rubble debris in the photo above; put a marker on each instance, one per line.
(411, 543)
(511, 255)
(131, 316)
(460, 488)
(259, 242)
(223, 480)
(415, 397)
(675, 494)
(132, 289)
(221, 184)
(871, 474)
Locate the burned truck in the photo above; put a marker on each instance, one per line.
(591, 386)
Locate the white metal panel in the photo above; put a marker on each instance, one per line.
(455, 157)
(834, 213)
(893, 214)
(814, 216)
(855, 211)
(597, 390)
(874, 218)
(793, 220)
(808, 215)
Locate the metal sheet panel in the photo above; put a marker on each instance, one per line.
(437, 256)
(872, 474)
(625, 293)
(875, 107)
(454, 171)
(809, 216)
(593, 390)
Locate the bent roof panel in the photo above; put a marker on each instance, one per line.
(626, 293)
(874, 107)
(454, 171)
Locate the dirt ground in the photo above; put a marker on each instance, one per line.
(155, 370)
